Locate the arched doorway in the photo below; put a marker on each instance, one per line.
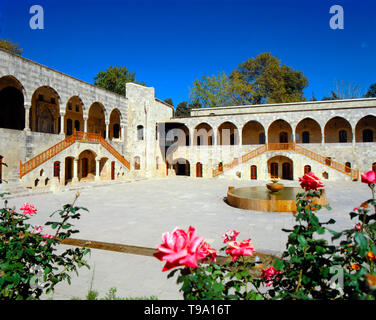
(203, 135)
(253, 133)
(182, 167)
(74, 119)
(307, 169)
(280, 167)
(57, 169)
(68, 170)
(228, 134)
(45, 111)
(12, 110)
(96, 121)
(308, 131)
(280, 131)
(198, 170)
(86, 165)
(253, 172)
(365, 129)
(113, 170)
(338, 130)
(114, 129)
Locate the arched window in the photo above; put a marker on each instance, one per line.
(69, 127)
(374, 166)
(140, 133)
(307, 169)
(305, 137)
(116, 131)
(367, 135)
(157, 163)
(57, 169)
(137, 163)
(253, 173)
(348, 166)
(342, 136)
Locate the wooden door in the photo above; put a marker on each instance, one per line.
(113, 170)
(198, 170)
(274, 170)
(286, 171)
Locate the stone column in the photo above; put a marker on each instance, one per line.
(75, 171)
(107, 130)
(27, 117)
(353, 136)
(85, 124)
(62, 115)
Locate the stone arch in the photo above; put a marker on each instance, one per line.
(203, 135)
(281, 167)
(365, 129)
(308, 131)
(74, 112)
(114, 125)
(178, 133)
(45, 110)
(86, 165)
(280, 131)
(12, 108)
(96, 122)
(253, 132)
(338, 130)
(182, 167)
(228, 134)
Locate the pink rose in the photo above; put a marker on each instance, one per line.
(179, 248)
(310, 182)
(47, 236)
(237, 249)
(358, 227)
(369, 177)
(230, 235)
(205, 251)
(268, 274)
(29, 209)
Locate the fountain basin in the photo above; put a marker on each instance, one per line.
(261, 199)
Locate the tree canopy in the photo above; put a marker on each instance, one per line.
(184, 109)
(115, 78)
(371, 93)
(8, 45)
(256, 81)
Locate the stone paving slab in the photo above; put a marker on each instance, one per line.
(137, 213)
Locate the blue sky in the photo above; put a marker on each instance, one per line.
(169, 44)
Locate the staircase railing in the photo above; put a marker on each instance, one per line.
(87, 137)
(291, 146)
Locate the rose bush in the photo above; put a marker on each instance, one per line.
(309, 268)
(29, 264)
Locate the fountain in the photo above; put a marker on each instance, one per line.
(276, 198)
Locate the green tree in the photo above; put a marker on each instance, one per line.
(169, 101)
(8, 45)
(115, 78)
(265, 80)
(212, 91)
(182, 110)
(371, 93)
(258, 80)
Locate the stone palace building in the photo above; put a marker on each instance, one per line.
(57, 131)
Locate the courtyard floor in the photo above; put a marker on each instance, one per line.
(137, 213)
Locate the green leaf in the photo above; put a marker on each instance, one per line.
(362, 242)
(279, 264)
(302, 240)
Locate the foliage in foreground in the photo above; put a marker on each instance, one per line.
(29, 262)
(309, 268)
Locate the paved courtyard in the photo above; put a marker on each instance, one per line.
(137, 213)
